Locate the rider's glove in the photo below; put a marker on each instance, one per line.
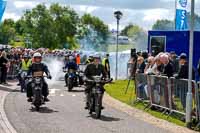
(49, 77)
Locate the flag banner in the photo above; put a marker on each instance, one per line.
(181, 14)
(2, 8)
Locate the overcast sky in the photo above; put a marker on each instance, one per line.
(140, 12)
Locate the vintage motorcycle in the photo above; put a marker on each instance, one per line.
(96, 95)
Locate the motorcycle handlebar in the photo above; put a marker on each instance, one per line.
(36, 76)
(102, 81)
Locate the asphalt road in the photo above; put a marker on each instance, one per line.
(65, 114)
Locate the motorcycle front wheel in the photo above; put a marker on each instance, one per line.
(37, 101)
(98, 105)
(91, 105)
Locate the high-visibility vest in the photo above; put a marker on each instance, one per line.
(26, 65)
(88, 61)
(104, 62)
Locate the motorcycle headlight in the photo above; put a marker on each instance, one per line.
(37, 80)
(81, 74)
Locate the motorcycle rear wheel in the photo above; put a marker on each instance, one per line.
(70, 84)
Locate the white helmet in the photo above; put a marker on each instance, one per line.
(71, 58)
(37, 54)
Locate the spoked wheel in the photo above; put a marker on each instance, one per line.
(22, 86)
(91, 105)
(38, 100)
(98, 106)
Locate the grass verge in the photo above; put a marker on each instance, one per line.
(117, 91)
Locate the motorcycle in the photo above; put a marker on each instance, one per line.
(71, 79)
(37, 85)
(80, 77)
(23, 80)
(96, 95)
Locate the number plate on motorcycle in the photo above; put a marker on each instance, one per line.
(38, 74)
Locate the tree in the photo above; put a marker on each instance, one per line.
(65, 24)
(95, 32)
(7, 31)
(132, 31)
(54, 27)
(137, 35)
(163, 25)
(51, 27)
(170, 25)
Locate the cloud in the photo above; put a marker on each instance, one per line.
(84, 9)
(140, 12)
(25, 4)
(13, 16)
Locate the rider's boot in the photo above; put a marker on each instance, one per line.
(30, 99)
(46, 99)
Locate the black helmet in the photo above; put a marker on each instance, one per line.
(183, 56)
(26, 56)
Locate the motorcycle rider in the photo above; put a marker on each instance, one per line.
(36, 67)
(95, 68)
(70, 65)
(24, 66)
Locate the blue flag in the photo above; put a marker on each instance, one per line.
(2, 8)
(181, 14)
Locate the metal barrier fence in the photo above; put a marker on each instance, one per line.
(167, 93)
(142, 90)
(179, 89)
(198, 100)
(159, 91)
(12, 70)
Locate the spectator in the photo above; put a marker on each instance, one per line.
(183, 72)
(141, 65)
(151, 66)
(3, 65)
(159, 65)
(175, 61)
(168, 66)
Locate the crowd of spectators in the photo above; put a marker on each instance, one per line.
(164, 64)
(10, 58)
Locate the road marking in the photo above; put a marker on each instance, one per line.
(52, 92)
(61, 95)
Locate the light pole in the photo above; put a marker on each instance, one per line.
(118, 16)
(189, 93)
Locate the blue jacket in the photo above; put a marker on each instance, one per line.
(71, 65)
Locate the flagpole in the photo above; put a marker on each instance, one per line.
(175, 14)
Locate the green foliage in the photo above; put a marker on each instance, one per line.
(170, 25)
(96, 24)
(131, 30)
(93, 27)
(53, 27)
(163, 25)
(7, 31)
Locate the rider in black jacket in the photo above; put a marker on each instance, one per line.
(36, 67)
(93, 69)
